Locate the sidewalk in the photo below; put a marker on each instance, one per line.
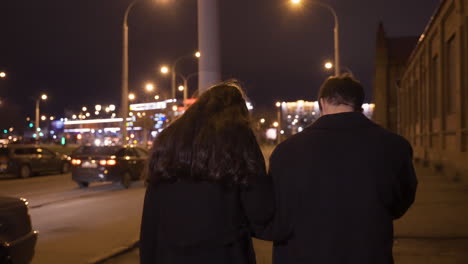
(435, 229)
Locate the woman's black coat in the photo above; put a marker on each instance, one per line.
(187, 222)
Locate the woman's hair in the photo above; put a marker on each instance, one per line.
(212, 141)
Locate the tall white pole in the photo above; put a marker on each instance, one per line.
(209, 64)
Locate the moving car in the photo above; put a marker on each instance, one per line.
(17, 239)
(119, 164)
(26, 160)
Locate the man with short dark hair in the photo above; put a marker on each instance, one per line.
(340, 184)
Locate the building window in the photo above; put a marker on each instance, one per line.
(451, 76)
(435, 91)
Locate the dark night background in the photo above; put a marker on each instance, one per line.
(72, 49)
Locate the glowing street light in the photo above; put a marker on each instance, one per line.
(275, 124)
(181, 88)
(296, 2)
(84, 109)
(43, 118)
(98, 107)
(2, 75)
(197, 54)
(44, 97)
(156, 97)
(262, 120)
(131, 96)
(164, 70)
(149, 87)
(328, 65)
(112, 107)
(278, 104)
(74, 117)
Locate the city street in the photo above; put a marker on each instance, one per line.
(435, 230)
(78, 225)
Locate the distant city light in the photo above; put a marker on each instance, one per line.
(262, 120)
(181, 88)
(131, 96)
(84, 109)
(156, 97)
(112, 107)
(197, 54)
(98, 107)
(44, 97)
(275, 124)
(278, 104)
(43, 118)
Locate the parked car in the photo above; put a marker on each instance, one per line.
(26, 160)
(118, 164)
(17, 239)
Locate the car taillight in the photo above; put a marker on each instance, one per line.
(107, 162)
(76, 162)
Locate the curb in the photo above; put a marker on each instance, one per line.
(115, 253)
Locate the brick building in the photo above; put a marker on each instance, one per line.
(391, 56)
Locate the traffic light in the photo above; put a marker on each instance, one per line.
(31, 125)
(5, 131)
(63, 141)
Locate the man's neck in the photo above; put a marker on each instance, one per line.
(338, 110)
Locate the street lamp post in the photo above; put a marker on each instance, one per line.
(124, 99)
(186, 80)
(174, 73)
(37, 119)
(336, 32)
(278, 130)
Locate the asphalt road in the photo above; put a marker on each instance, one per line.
(78, 225)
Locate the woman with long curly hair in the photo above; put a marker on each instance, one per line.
(207, 191)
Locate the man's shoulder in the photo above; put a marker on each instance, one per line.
(287, 146)
(392, 138)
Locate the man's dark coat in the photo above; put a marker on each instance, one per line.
(339, 185)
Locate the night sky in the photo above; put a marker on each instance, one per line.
(72, 49)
